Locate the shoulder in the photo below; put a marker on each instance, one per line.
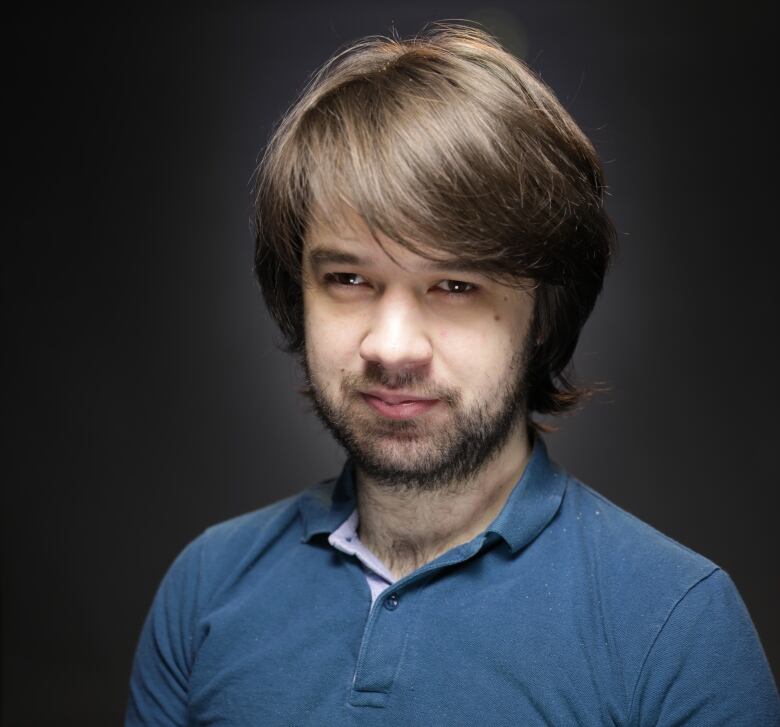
(222, 553)
(626, 576)
(674, 618)
(634, 551)
(249, 530)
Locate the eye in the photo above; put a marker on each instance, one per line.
(345, 279)
(456, 287)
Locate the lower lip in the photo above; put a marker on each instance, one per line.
(403, 410)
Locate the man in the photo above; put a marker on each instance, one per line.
(431, 238)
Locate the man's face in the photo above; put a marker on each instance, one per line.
(416, 367)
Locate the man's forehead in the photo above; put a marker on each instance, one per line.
(352, 242)
(340, 253)
(342, 237)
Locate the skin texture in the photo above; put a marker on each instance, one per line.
(385, 326)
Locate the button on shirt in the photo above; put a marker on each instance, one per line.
(564, 611)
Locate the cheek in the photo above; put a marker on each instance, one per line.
(473, 354)
(330, 343)
(479, 357)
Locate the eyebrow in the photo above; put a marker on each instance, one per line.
(323, 256)
(320, 256)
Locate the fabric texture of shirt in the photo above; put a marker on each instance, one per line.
(565, 611)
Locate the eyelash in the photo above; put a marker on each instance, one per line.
(338, 279)
(471, 288)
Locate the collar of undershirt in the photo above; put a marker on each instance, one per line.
(346, 539)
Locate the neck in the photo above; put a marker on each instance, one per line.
(407, 528)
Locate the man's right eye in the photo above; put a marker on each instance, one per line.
(346, 279)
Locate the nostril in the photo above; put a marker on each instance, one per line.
(396, 349)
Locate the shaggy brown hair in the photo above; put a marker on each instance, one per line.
(444, 141)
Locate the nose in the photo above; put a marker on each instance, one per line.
(396, 337)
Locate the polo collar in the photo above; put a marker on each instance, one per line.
(533, 502)
(531, 505)
(327, 505)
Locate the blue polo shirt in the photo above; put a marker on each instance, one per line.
(565, 611)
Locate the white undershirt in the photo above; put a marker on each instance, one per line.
(345, 539)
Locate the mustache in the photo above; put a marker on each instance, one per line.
(413, 381)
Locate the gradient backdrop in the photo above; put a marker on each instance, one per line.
(145, 397)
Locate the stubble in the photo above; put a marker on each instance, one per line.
(420, 454)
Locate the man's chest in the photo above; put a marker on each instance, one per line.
(446, 649)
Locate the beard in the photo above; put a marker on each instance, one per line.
(416, 454)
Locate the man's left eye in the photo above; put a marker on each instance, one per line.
(345, 279)
(456, 287)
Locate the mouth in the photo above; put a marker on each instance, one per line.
(398, 405)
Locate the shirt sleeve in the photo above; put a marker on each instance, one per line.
(706, 666)
(159, 683)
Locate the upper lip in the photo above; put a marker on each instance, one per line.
(396, 397)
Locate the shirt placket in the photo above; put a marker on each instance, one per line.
(388, 628)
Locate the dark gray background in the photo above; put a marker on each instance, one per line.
(144, 395)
